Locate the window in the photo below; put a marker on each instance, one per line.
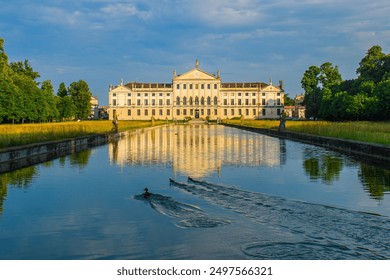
(191, 103)
(263, 94)
(191, 86)
(239, 112)
(168, 102)
(178, 86)
(209, 101)
(146, 102)
(215, 112)
(138, 112)
(114, 94)
(160, 102)
(202, 101)
(215, 100)
(202, 112)
(263, 112)
(178, 112)
(253, 101)
(168, 94)
(160, 112)
(129, 94)
(278, 101)
(254, 112)
(246, 94)
(146, 112)
(191, 112)
(168, 112)
(215, 86)
(239, 101)
(246, 101)
(278, 94)
(114, 102)
(231, 101)
(208, 112)
(161, 94)
(278, 112)
(139, 102)
(184, 100)
(153, 112)
(153, 102)
(239, 94)
(178, 100)
(263, 101)
(225, 102)
(247, 112)
(184, 86)
(128, 102)
(232, 112)
(184, 112)
(196, 101)
(202, 86)
(196, 86)
(225, 112)
(146, 94)
(138, 94)
(129, 112)
(208, 86)
(253, 94)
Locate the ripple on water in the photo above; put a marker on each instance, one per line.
(203, 222)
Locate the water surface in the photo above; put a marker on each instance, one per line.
(249, 196)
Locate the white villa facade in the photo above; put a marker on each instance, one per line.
(195, 94)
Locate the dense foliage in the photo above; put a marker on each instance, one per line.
(367, 97)
(24, 100)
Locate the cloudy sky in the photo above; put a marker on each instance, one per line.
(103, 41)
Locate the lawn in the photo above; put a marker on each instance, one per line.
(22, 134)
(371, 132)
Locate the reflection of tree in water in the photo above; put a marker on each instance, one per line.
(80, 159)
(376, 180)
(19, 178)
(325, 167)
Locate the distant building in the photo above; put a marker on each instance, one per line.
(296, 111)
(94, 108)
(195, 94)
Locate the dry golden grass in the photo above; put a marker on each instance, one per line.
(371, 132)
(22, 134)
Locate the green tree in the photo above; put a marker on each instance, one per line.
(49, 101)
(65, 106)
(81, 96)
(382, 92)
(372, 66)
(24, 68)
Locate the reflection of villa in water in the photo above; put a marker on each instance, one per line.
(197, 150)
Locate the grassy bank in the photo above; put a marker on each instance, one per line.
(22, 134)
(370, 132)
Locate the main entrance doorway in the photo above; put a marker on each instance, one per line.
(196, 113)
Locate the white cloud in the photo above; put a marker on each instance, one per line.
(123, 10)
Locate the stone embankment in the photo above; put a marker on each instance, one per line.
(363, 150)
(22, 156)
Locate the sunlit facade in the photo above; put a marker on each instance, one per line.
(195, 94)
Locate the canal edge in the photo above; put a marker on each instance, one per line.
(374, 152)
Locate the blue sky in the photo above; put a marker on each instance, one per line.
(103, 41)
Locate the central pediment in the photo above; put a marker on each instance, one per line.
(195, 74)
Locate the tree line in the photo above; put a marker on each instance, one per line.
(367, 97)
(25, 100)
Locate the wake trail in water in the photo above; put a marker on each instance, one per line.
(190, 215)
(317, 231)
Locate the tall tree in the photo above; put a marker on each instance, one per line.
(65, 106)
(371, 67)
(81, 96)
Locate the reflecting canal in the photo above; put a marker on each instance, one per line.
(214, 193)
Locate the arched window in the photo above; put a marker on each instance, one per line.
(202, 101)
(184, 100)
(191, 103)
(215, 100)
(178, 100)
(196, 100)
(208, 100)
